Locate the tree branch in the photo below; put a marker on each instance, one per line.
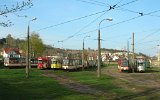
(24, 5)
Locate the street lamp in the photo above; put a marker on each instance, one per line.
(158, 55)
(128, 49)
(28, 49)
(83, 53)
(99, 48)
(61, 42)
(61, 50)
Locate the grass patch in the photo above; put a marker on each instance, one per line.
(107, 84)
(14, 86)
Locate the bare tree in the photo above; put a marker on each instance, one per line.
(19, 6)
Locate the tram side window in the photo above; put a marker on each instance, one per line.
(54, 62)
(140, 64)
(66, 62)
(125, 63)
(40, 61)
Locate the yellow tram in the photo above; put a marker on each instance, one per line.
(56, 63)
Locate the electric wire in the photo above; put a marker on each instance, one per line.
(132, 18)
(86, 26)
(146, 42)
(113, 24)
(141, 14)
(123, 9)
(155, 15)
(111, 7)
(114, 6)
(148, 36)
(72, 20)
(119, 2)
(121, 22)
(93, 3)
(96, 19)
(100, 2)
(127, 3)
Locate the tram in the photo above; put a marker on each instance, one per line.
(14, 62)
(56, 63)
(43, 63)
(72, 64)
(123, 65)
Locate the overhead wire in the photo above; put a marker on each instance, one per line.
(111, 7)
(148, 35)
(147, 42)
(126, 3)
(123, 9)
(155, 15)
(119, 2)
(141, 13)
(93, 3)
(114, 6)
(85, 26)
(121, 22)
(100, 2)
(153, 47)
(132, 18)
(97, 18)
(72, 20)
(113, 24)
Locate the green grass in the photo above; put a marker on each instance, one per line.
(110, 85)
(14, 86)
(105, 83)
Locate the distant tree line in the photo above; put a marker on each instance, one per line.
(37, 47)
(36, 44)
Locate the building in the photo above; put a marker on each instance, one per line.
(11, 53)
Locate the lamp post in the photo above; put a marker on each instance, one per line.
(83, 53)
(128, 49)
(28, 49)
(99, 48)
(62, 43)
(133, 64)
(158, 55)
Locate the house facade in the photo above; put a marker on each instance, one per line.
(11, 53)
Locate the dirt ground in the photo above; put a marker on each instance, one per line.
(147, 79)
(142, 84)
(63, 80)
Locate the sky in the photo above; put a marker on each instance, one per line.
(66, 23)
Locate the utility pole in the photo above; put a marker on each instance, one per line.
(99, 48)
(83, 53)
(83, 56)
(28, 49)
(128, 50)
(158, 55)
(133, 52)
(27, 60)
(99, 56)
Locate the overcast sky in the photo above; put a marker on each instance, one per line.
(70, 21)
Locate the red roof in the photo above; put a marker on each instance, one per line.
(7, 50)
